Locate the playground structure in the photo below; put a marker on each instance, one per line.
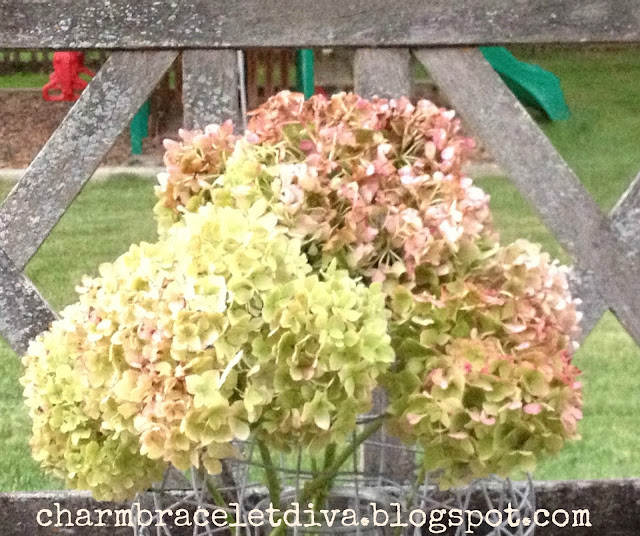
(65, 83)
(267, 71)
(533, 85)
(604, 249)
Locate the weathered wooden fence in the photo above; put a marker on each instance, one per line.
(146, 35)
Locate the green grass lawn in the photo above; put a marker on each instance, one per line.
(24, 80)
(609, 359)
(99, 226)
(601, 142)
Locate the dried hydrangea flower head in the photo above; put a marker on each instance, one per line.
(335, 246)
(376, 184)
(484, 379)
(71, 438)
(379, 187)
(194, 161)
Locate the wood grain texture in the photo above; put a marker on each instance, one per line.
(75, 150)
(73, 24)
(24, 313)
(210, 87)
(626, 218)
(494, 114)
(626, 215)
(386, 73)
(615, 501)
(382, 72)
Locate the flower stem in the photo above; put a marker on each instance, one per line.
(273, 483)
(325, 479)
(329, 456)
(322, 483)
(412, 495)
(218, 498)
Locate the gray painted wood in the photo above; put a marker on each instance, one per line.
(613, 506)
(68, 24)
(386, 73)
(494, 114)
(210, 87)
(382, 72)
(24, 313)
(626, 218)
(75, 150)
(210, 95)
(626, 215)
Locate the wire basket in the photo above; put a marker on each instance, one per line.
(367, 490)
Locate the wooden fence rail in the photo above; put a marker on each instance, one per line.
(603, 248)
(122, 24)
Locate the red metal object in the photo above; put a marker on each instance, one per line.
(65, 83)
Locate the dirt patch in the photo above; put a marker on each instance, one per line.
(28, 122)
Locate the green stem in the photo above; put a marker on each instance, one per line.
(325, 479)
(323, 482)
(329, 457)
(320, 495)
(218, 498)
(279, 530)
(273, 483)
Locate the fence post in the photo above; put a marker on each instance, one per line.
(210, 88)
(385, 73)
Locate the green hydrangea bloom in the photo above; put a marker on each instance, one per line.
(72, 438)
(484, 380)
(318, 364)
(182, 346)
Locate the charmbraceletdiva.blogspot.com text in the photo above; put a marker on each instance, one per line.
(436, 521)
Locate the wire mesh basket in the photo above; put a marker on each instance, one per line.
(373, 494)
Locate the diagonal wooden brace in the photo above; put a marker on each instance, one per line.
(58, 174)
(76, 148)
(540, 174)
(626, 218)
(23, 311)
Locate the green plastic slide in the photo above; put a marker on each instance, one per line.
(530, 83)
